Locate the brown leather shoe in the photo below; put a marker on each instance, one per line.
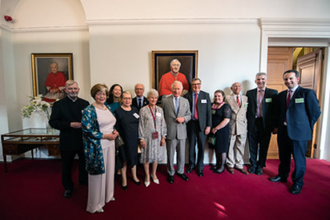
(243, 171)
(231, 170)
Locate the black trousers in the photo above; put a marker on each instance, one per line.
(258, 143)
(67, 158)
(287, 147)
(195, 135)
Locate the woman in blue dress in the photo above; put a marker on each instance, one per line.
(127, 125)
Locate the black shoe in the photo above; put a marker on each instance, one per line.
(278, 178)
(124, 187)
(259, 171)
(252, 169)
(170, 179)
(190, 169)
(218, 171)
(200, 173)
(137, 182)
(183, 176)
(295, 189)
(213, 168)
(67, 193)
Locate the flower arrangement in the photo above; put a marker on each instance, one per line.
(36, 105)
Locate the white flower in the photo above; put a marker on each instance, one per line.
(36, 105)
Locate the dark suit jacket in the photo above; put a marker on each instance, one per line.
(301, 115)
(268, 108)
(63, 113)
(203, 107)
(134, 102)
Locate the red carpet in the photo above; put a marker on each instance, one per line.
(32, 190)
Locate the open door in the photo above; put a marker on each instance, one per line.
(279, 60)
(309, 67)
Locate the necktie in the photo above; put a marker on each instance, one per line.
(176, 105)
(195, 107)
(140, 103)
(238, 103)
(288, 98)
(260, 98)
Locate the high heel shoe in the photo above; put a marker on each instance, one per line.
(218, 171)
(137, 182)
(124, 187)
(154, 180)
(146, 183)
(100, 210)
(113, 199)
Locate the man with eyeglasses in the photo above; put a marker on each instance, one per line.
(199, 126)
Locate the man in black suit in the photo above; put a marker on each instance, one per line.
(66, 116)
(261, 121)
(298, 110)
(139, 100)
(199, 126)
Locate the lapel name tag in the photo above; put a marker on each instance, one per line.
(268, 100)
(158, 114)
(203, 101)
(136, 115)
(299, 100)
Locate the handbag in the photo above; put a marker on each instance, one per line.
(119, 141)
(211, 140)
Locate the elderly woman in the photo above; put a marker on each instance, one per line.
(98, 138)
(115, 96)
(127, 125)
(219, 137)
(152, 133)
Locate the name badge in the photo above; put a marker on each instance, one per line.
(268, 100)
(155, 135)
(203, 101)
(299, 100)
(158, 114)
(136, 115)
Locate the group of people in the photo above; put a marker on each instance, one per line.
(90, 131)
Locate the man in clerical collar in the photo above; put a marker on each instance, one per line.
(66, 117)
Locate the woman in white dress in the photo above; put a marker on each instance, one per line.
(98, 138)
(152, 133)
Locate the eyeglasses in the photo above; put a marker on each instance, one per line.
(196, 84)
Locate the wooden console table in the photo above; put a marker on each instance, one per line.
(18, 142)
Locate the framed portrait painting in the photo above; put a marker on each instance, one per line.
(161, 64)
(50, 71)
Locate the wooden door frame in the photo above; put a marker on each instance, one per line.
(280, 32)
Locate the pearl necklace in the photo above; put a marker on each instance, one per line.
(100, 107)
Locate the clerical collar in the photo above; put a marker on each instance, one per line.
(73, 100)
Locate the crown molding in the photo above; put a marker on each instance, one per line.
(171, 21)
(44, 28)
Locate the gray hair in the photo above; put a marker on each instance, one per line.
(261, 74)
(152, 92)
(70, 82)
(196, 79)
(176, 82)
(174, 61)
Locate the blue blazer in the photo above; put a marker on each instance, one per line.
(301, 115)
